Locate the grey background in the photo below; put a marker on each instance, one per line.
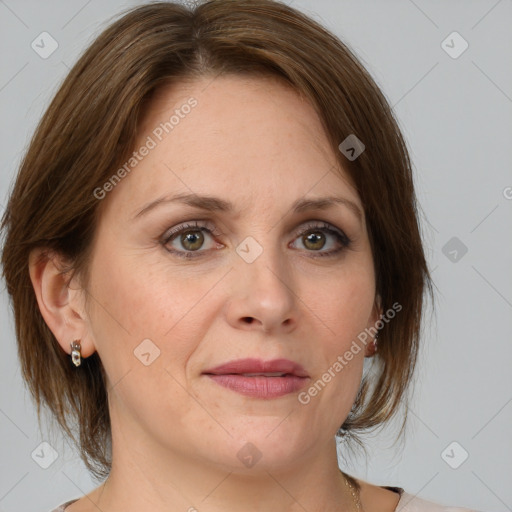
(456, 116)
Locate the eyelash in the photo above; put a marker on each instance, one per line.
(323, 227)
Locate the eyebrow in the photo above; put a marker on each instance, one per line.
(215, 204)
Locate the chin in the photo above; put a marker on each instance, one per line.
(265, 444)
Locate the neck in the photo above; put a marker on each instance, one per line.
(161, 481)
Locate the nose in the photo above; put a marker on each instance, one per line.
(263, 296)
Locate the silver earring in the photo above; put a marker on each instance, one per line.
(76, 356)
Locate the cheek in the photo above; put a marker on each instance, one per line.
(145, 329)
(345, 303)
(132, 303)
(129, 296)
(343, 309)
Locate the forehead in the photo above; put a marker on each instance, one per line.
(233, 134)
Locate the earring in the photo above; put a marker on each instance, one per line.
(343, 435)
(373, 347)
(76, 357)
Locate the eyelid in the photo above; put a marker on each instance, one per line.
(195, 224)
(320, 224)
(211, 228)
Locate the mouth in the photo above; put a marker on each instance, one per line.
(260, 379)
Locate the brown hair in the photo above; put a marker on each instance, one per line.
(89, 130)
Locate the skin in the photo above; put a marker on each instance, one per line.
(176, 433)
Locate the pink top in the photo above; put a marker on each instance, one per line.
(407, 503)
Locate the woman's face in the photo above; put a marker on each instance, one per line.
(248, 261)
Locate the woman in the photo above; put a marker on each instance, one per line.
(216, 219)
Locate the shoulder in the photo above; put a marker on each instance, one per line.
(411, 503)
(397, 498)
(376, 498)
(62, 507)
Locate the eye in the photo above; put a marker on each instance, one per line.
(322, 238)
(189, 238)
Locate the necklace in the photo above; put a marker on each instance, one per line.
(354, 492)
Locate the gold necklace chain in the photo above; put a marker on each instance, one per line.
(354, 492)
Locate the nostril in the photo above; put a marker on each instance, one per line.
(248, 319)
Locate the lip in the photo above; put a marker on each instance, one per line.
(231, 375)
(252, 365)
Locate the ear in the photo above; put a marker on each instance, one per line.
(61, 305)
(374, 317)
